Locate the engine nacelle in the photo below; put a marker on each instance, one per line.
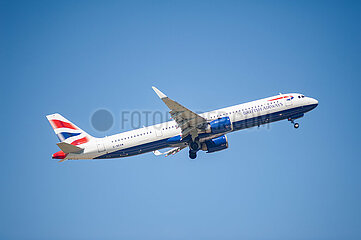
(220, 125)
(215, 144)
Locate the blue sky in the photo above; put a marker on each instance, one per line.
(272, 183)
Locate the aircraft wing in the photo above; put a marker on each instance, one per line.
(170, 152)
(188, 121)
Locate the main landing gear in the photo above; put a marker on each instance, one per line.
(295, 125)
(194, 147)
(192, 155)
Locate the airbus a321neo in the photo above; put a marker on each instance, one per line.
(206, 131)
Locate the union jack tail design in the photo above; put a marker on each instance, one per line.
(66, 131)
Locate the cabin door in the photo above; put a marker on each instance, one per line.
(100, 147)
(158, 132)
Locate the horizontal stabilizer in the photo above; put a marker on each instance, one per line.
(68, 148)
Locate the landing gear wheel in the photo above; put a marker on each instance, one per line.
(194, 146)
(192, 155)
(296, 125)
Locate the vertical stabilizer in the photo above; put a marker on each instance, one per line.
(67, 131)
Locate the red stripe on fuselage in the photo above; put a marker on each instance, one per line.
(80, 141)
(278, 98)
(60, 124)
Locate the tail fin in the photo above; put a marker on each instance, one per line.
(66, 131)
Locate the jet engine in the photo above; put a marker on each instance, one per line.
(220, 125)
(215, 144)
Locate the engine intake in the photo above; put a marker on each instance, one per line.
(220, 125)
(215, 144)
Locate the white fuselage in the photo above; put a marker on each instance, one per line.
(159, 136)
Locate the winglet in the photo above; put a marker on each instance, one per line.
(159, 93)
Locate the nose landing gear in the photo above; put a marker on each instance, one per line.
(295, 125)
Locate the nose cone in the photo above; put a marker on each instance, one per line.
(313, 102)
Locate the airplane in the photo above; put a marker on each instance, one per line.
(199, 132)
